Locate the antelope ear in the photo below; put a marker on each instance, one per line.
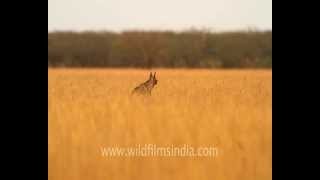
(154, 75)
(150, 75)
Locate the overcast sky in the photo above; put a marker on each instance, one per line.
(118, 15)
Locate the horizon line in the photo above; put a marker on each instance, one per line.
(192, 28)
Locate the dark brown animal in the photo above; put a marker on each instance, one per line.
(146, 87)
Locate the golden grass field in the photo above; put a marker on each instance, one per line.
(92, 108)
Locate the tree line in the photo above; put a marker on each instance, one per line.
(146, 49)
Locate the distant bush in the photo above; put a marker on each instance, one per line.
(190, 49)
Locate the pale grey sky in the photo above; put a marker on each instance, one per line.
(117, 15)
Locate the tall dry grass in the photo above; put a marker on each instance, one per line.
(228, 109)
